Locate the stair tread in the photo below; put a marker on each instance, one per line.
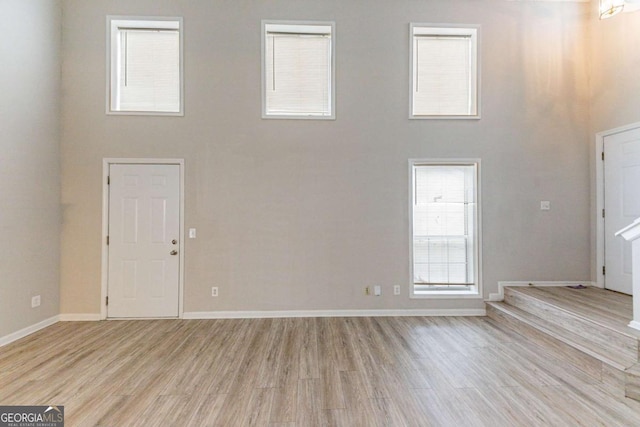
(587, 326)
(608, 309)
(634, 370)
(612, 358)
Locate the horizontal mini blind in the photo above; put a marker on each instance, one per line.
(298, 74)
(443, 75)
(148, 70)
(443, 224)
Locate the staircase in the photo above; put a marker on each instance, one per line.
(591, 321)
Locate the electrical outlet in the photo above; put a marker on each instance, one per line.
(396, 290)
(214, 291)
(35, 301)
(377, 290)
(367, 291)
(545, 205)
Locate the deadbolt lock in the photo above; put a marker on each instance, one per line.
(174, 241)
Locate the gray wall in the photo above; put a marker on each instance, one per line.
(300, 215)
(29, 163)
(614, 67)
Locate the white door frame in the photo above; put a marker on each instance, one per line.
(105, 225)
(600, 237)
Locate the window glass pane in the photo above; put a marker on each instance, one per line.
(145, 65)
(298, 70)
(442, 76)
(297, 74)
(439, 219)
(457, 250)
(444, 67)
(438, 184)
(437, 273)
(443, 224)
(458, 274)
(149, 72)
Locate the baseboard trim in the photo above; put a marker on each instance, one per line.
(8, 339)
(202, 315)
(330, 313)
(80, 317)
(634, 324)
(499, 296)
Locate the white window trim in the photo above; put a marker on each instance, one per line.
(444, 29)
(475, 292)
(156, 22)
(332, 92)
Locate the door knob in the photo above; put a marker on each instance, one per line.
(174, 252)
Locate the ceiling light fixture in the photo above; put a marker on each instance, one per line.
(609, 8)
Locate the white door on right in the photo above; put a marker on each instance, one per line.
(622, 204)
(144, 240)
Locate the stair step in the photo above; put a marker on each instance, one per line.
(503, 311)
(632, 382)
(596, 332)
(609, 309)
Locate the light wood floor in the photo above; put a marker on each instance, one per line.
(412, 371)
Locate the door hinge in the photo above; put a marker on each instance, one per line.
(602, 213)
(107, 240)
(108, 180)
(106, 301)
(604, 270)
(603, 156)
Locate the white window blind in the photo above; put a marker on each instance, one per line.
(444, 72)
(149, 72)
(444, 211)
(298, 71)
(146, 68)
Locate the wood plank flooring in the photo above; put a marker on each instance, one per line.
(402, 371)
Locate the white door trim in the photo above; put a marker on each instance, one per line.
(600, 237)
(105, 225)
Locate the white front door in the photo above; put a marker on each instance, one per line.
(622, 204)
(144, 240)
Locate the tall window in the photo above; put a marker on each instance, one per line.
(444, 72)
(298, 70)
(444, 227)
(145, 66)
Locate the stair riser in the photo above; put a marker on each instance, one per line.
(614, 380)
(632, 387)
(603, 339)
(582, 361)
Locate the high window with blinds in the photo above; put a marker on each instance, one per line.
(444, 64)
(444, 227)
(145, 66)
(298, 70)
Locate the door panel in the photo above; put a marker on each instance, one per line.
(144, 220)
(622, 204)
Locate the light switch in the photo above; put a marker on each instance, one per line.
(192, 233)
(545, 205)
